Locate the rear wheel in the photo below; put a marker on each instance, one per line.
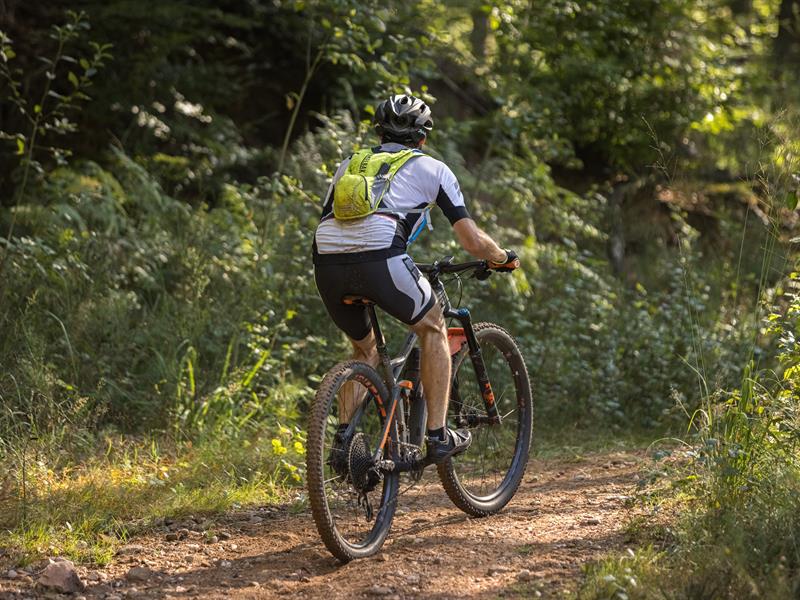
(352, 502)
(482, 480)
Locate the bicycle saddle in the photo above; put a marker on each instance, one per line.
(356, 300)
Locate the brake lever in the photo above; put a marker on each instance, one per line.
(482, 274)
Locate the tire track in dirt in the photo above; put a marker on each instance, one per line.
(566, 514)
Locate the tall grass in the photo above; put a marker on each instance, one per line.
(738, 535)
(86, 509)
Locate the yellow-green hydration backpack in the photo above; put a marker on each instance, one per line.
(359, 192)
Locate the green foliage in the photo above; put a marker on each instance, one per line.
(159, 280)
(86, 511)
(737, 537)
(50, 115)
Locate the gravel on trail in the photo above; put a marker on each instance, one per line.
(566, 514)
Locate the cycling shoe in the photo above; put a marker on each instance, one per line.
(455, 442)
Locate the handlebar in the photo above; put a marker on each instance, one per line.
(446, 265)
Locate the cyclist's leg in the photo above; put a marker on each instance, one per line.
(400, 290)
(352, 394)
(432, 333)
(334, 282)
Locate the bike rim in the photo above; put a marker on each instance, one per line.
(486, 469)
(345, 506)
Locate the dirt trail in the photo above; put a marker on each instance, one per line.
(566, 514)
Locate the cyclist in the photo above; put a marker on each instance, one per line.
(378, 202)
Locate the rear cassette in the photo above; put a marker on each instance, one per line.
(364, 474)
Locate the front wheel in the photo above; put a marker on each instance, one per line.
(482, 480)
(352, 502)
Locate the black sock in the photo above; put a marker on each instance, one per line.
(436, 433)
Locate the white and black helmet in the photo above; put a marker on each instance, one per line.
(403, 118)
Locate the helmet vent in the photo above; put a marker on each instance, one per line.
(403, 118)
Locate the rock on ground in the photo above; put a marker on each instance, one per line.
(140, 574)
(62, 577)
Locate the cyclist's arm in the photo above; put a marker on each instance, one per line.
(477, 242)
(473, 239)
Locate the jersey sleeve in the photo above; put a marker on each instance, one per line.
(449, 197)
(327, 207)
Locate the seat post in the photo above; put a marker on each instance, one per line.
(380, 346)
(376, 328)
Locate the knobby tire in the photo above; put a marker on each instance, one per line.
(337, 544)
(481, 506)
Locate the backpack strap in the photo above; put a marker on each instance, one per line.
(386, 172)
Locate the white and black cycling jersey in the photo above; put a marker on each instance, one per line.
(421, 181)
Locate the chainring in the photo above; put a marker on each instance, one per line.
(412, 453)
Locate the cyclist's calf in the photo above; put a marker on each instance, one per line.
(432, 333)
(352, 394)
(365, 350)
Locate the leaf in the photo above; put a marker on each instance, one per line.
(73, 79)
(84, 64)
(37, 109)
(791, 200)
(20, 146)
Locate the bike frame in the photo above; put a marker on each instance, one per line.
(390, 369)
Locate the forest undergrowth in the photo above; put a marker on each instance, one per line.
(161, 333)
(723, 501)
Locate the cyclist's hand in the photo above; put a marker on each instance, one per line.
(511, 262)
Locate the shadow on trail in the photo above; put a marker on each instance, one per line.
(558, 522)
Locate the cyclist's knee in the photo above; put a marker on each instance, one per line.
(432, 323)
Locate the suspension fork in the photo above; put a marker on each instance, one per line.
(476, 356)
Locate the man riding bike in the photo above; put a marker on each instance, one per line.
(378, 202)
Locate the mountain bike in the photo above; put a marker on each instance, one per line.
(354, 472)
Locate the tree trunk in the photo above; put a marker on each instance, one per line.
(787, 44)
(480, 29)
(616, 229)
(741, 7)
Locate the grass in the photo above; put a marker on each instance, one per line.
(699, 538)
(84, 511)
(566, 442)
